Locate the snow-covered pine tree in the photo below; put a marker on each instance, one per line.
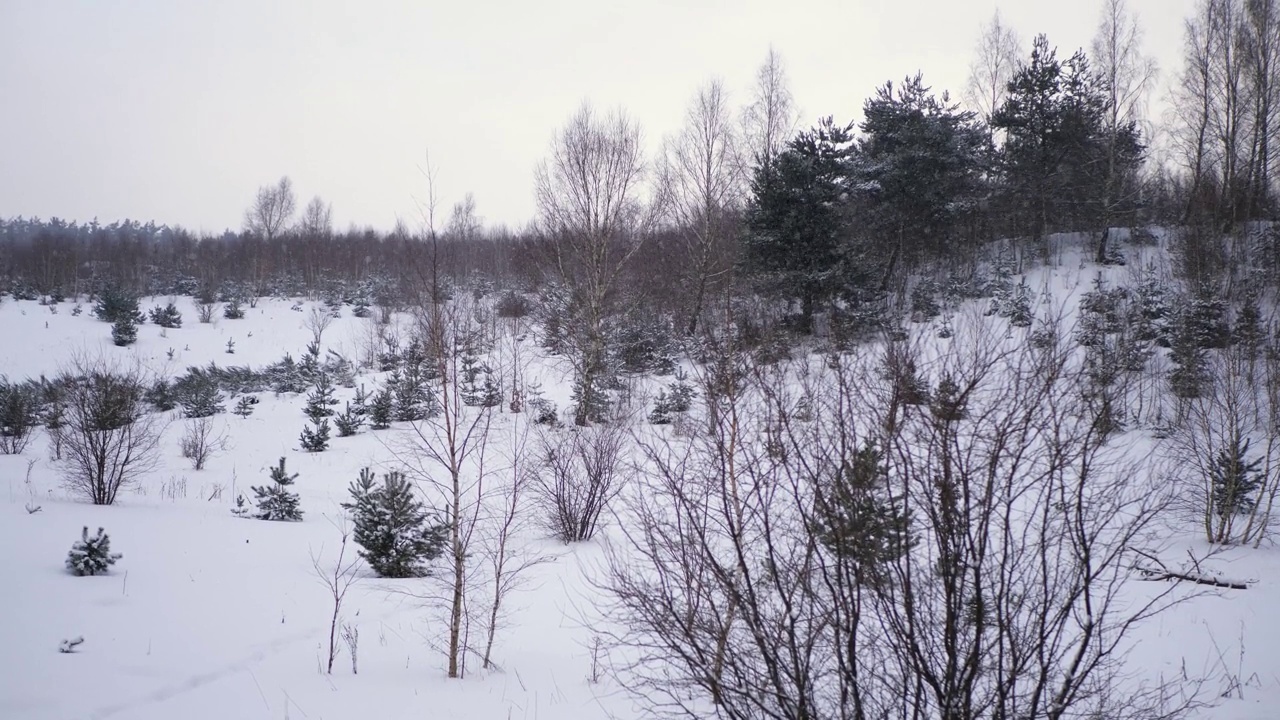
(1204, 318)
(1248, 332)
(167, 316)
(671, 401)
(244, 406)
(233, 309)
(1235, 479)
(392, 526)
(321, 401)
(114, 304)
(315, 438)
(1191, 363)
(202, 398)
(380, 410)
(856, 519)
(124, 331)
(412, 401)
(91, 555)
(479, 388)
(276, 501)
(348, 422)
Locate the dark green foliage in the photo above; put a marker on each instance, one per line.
(276, 501)
(114, 304)
(1248, 332)
(948, 402)
(1190, 373)
(233, 310)
(167, 316)
(20, 415)
(1061, 163)
(644, 342)
(411, 401)
(321, 401)
(91, 555)
(1204, 318)
(796, 220)
(479, 386)
(348, 422)
(1149, 313)
(1235, 480)
(591, 404)
(918, 170)
(380, 410)
(315, 438)
(392, 526)
(857, 520)
(513, 305)
(199, 396)
(124, 331)
(676, 399)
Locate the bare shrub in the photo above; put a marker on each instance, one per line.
(581, 473)
(968, 556)
(204, 310)
(317, 321)
(338, 579)
(200, 442)
(109, 438)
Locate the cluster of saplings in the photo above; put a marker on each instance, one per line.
(397, 533)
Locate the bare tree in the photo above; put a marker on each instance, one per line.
(317, 219)
(702, 188)
(272, 210)
(771, 117)
(109, 437)
(1193, 106)
(1127, 76)
(338, 579)
(581, 474)
(317, 320)
(592, 215)
(997, 55)
(200, 442)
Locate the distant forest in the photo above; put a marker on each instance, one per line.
(834, 219)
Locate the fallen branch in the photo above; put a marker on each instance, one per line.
(1157, 575)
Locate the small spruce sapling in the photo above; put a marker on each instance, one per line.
(91, 555)
(275, 501)
(392, 526)
(315, 438)
(348, 422)
(124, 331)
(380, 410)
(244, 406)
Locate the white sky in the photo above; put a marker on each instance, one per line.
(177, 111)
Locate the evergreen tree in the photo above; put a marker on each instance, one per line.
(315, 438)
(412, 402)
(321, 401)
(91, 555)
(233, 309)
(1235, 480)
(1190, 373)
(1059, 160)
(918, 169)
(1204, 318)
(244, 406)
(479, 388)
(669, 404)
(167, 316)
(856, 520)
(276, 501)
(392, 526)
(380, 410)
(201, 397)
(1248, 332)
(1149, 314)
(348, 422)
(115, 304)
(124, 331)
(796, 219)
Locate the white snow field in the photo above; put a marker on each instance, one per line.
(210, 616)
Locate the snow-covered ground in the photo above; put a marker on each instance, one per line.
(212, 616)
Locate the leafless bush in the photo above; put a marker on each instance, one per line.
(200, 442)
(967, 556)
(204, 311)
(109, 438)
(581, 473)
(338, 579)
(317, 321)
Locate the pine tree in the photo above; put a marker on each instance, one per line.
(233, 310)
(1190, 373)
(115, 304)
(167, 316)
(1204, 318)
(124, 331)
(856, 520)
(412, 402)
(315, 438)
(244, 406)
(380, 410)
(348, 422)
(669, 404)
(392, 527)
(1235, 479)
(321, 401)
(1248, 333)
(479, 388)
(91, 555)
(1149, 314)
(276, 501)
(202, 398)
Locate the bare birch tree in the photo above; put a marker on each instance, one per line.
(771, 117)
(272, 210)
(997, 54)
(593, 217)
(702, 190)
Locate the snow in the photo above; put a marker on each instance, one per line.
(211, 616)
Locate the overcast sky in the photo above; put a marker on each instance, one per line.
(178, 111)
